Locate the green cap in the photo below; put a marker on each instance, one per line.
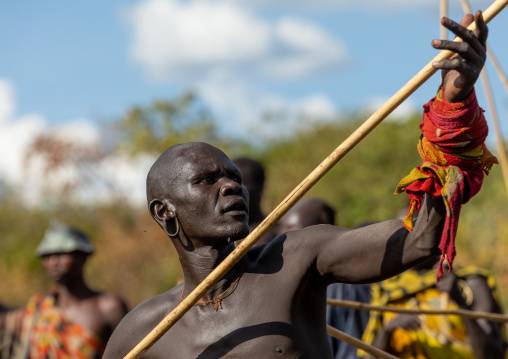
(60, 238)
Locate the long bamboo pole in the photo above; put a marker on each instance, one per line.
(503, 160)
(500, 72)
(443, 12)
(501, 151)
(471, 314)
(493, 59)
(376, 352)
(299, 191)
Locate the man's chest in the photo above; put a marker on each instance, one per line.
(264, 340)
(252, 322)
(88, 316)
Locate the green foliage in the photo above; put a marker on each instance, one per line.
(361, 185)
(164, 123)
(135, 258)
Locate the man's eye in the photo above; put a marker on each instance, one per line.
(207, 179)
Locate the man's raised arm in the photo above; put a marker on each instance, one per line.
(378, 251)
(454, 162)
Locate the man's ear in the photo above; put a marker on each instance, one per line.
(163, 211)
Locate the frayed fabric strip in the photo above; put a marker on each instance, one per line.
(455, 160)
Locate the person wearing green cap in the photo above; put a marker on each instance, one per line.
(72, 320)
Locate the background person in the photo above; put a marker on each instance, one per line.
(71, 320)
(313, 211)
(437, 336)
(253, 179)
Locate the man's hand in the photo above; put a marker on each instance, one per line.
(404, 321)
(462, 70)
(449, 283)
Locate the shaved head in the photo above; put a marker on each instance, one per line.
(307, 212)
(253, 173)
(164, 171)
(194, 188)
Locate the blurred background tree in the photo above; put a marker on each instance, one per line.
(134, 257)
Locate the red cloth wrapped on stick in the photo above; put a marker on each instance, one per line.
(455, 160)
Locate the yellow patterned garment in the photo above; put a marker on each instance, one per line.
(440, 336)
(47, 334)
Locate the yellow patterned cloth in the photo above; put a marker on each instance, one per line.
(440, 336)
(47, 334)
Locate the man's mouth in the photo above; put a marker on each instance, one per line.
(236, 207)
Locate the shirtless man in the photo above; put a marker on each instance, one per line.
(72, 320)
(307, 212)
(253, 177)
(310, 212)
(272, 302)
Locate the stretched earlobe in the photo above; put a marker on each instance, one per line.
(176, 225)
(165, 215)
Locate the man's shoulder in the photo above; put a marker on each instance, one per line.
(293, 249)
(140, 321)
(112, 307)
(108, 300)
(154, 309)
(312, 237)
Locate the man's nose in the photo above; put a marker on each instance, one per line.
(230, 187)
(52, 260)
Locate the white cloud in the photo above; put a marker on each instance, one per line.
(15, 134)
(116, 176)
(175, 39)
(317, 105)
(311, 49)
(323, 5)
(126, 177)
(77, 131)
(405, 109)
(241, 108)
(110, 177)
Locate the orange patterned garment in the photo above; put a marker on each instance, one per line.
(455, 160)
(47, 334)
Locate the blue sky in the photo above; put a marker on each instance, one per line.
(68, 65)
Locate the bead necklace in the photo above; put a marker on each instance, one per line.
(217, 300)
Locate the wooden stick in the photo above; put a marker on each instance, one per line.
(502, 76)
(445, 300)
(298, 193)
(503, 160)
(338, 334)
(494, 317)
(500, 72)
(501, 152)
(443, 12)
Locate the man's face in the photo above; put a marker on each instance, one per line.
(303, 215)
(208, 196)
(254, 189)
(64, 267)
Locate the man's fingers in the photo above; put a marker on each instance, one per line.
(465, 34)
(464, 49)
(458, 29)
(482, 31)
(466, 20)
(453, 64)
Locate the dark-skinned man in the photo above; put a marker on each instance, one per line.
(314, 211)
(438, 336)
(72, 320)
(253, 180)
(272, 303)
